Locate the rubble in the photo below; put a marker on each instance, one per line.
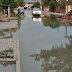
(67, 16)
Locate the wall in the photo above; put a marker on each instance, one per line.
(59, 10)
(68, 8)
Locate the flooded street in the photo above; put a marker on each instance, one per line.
(35, 36)
(45, 44)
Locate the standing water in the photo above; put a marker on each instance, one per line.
(45, 44)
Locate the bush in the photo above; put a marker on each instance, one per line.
(69, 2)
(37, 4)
(62, 5)
(52, 5)
(46, 2)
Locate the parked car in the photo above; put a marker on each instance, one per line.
(36, 11)
(21, 10)
(26, 6)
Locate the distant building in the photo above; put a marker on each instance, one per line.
(30, 3)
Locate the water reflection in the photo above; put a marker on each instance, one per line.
(58, 59)
(6, 34)
(51, 21)
(37, 18)
(34, 38)
(66, 24)
(2, 33)
(9, 31)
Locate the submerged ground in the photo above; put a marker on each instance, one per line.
(45, 43)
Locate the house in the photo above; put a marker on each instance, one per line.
(30, 3)
(62, 0)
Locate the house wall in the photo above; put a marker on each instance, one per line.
(59, 10)
(68, 8)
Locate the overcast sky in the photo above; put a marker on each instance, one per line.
(31, 0)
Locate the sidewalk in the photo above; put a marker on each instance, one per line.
(48, 13)
(4, 17)
(8, 25)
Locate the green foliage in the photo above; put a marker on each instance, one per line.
(46, 2)
(37, 4)
(21, 1)
(52, 5)
(61, 4)
(12, 3)
(69, 2)
(1, 8)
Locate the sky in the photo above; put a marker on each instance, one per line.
(31, 0)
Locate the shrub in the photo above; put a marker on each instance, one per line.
(37, 4)
(62, 5)
(52, 5)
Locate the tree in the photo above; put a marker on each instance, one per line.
(21, 2)
(37, 4)
(46, 2)
(12, 3)
(61, 4)
(1, 7)
(52, 5)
